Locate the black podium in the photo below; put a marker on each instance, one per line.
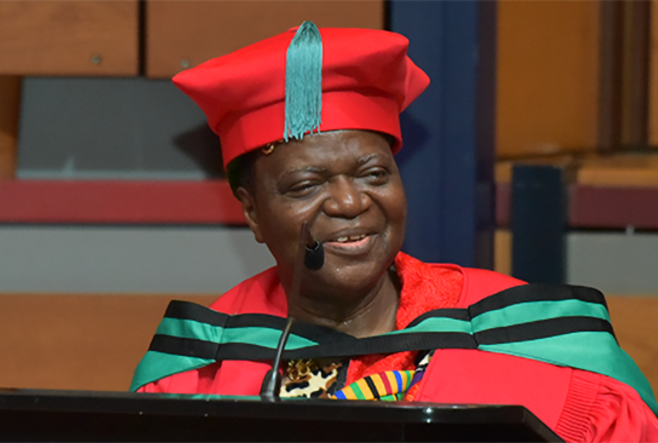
(33, 415)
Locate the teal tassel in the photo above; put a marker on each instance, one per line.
(303, 82)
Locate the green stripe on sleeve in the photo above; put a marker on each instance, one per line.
(190, 329)
(260, 336)
(536, 311)
(264, 337)
(156, 365)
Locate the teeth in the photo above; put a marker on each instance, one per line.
(351, 238)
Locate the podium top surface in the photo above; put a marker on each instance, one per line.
(178, 417)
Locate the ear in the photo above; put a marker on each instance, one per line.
(250, 211)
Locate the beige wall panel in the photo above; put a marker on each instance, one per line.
(182, 34)
(69, 37)
(547, 86)
(634, 320)
(653, 76)
(10, 96)
(75, 341)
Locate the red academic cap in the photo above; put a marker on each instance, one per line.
(302, 81)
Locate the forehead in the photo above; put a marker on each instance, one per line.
(328, 150)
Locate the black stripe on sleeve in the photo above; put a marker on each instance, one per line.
(536, 292)
(542, 329)
(390, 344)
(185, 310)
(187, 347)
(244, 351)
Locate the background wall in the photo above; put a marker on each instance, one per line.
(112, 198)
(87, 110)
(577, 91)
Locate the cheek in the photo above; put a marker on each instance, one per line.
(396, 218)
(282, 230)
(395, 205)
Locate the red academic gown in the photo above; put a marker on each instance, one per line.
(578, 405)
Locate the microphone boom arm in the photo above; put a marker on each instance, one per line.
(272, 382)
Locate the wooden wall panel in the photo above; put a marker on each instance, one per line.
(91, 342)
(61, 37)
(503, 251)
(548, 67)
(619, 171)
(94, 342)
(182, 34)
(653, 76)
(634, 320)
(10, 87)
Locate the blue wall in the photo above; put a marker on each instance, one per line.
(447, 161)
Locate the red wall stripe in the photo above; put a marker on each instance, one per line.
(613, 208)
(596, 207)
(211, 202)
(132, 202)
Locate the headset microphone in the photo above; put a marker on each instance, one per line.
(314, 256)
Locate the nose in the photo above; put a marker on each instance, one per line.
(346, 200)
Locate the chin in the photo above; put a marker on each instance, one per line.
(351, 278)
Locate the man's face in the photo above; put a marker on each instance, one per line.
(346, 184)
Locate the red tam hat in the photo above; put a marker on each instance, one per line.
(302, 81)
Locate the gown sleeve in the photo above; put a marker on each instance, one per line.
(616, 413)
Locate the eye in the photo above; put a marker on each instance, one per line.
(376, 175)
(302, 189)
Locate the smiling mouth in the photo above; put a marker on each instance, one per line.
(352, 242)
(348, 239)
